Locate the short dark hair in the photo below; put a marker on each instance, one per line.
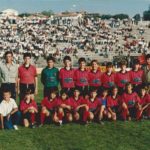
(67, 58)
(82, 59)
(123, 62)
(6, 91)
(50, 58)
(147, 56)
(93, 90)
(136, 61)
(26, 55)
(109, 64)
(96, 61)
(8, 52)
(76, 89)
(63, 92)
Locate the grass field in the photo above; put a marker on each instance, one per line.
(112, 136)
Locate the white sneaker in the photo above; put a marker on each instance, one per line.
(15, 127)
(60, 122)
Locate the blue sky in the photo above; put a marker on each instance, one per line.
(130, 7)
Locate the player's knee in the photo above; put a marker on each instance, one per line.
(124, 106)
(70, 118)
(26, 123)
(76, 116)
(109, 116)
(60, 110)
(55, 119)
(91, 116)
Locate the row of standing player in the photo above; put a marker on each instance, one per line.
(85, 79)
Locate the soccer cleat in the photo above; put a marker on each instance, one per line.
(101, 122)
(40, 125)
(60, 122)
(15, 127)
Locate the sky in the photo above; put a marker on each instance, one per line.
(130, 7)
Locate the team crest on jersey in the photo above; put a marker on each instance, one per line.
(137, 80)
(96, 81)
(124, 81)
(131, 102)
(110, 84)
(83, 80)
(68, 80)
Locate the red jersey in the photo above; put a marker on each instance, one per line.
(145, 100)
(122, 79)
(95, 78)
(24, 105)
(130, 99)
(67, 78)
(81, 78)
(27, 75)
(66, 102)
(108, 81)
(136, 77)
(93, 104)
(76, 103)
(113, 102)
(49, 104)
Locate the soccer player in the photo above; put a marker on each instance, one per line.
(129, 103)
(8, 75)
(66, 76)
(144, 106)
(81, 77)
(29, 109)
(122, 77)
(136, 76)
(49, 109)
(92, 107)
(50, 77)
(113, 103)
(10, 116)
(65, 108)
(77, 103)
(103, 101)
(94, 77)
(27, 77)
(108, 78)
(147, 72)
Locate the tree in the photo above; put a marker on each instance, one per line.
(103, 17)
(137, 17)
(47, 13)
(121, 16)
(146, 14)
(25, 15)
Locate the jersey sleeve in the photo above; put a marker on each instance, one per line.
(22, 106)
(14, 104)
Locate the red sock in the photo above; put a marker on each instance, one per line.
(148, 111)
(138, 114)
(43, 116)
(85, 115)
(32, 117)
(60, 116)
(124, 114)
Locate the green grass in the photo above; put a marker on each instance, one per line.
(111, 136)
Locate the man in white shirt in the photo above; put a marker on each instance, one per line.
(8, 75)
(10, 116)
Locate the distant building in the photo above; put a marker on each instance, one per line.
(9, 13)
